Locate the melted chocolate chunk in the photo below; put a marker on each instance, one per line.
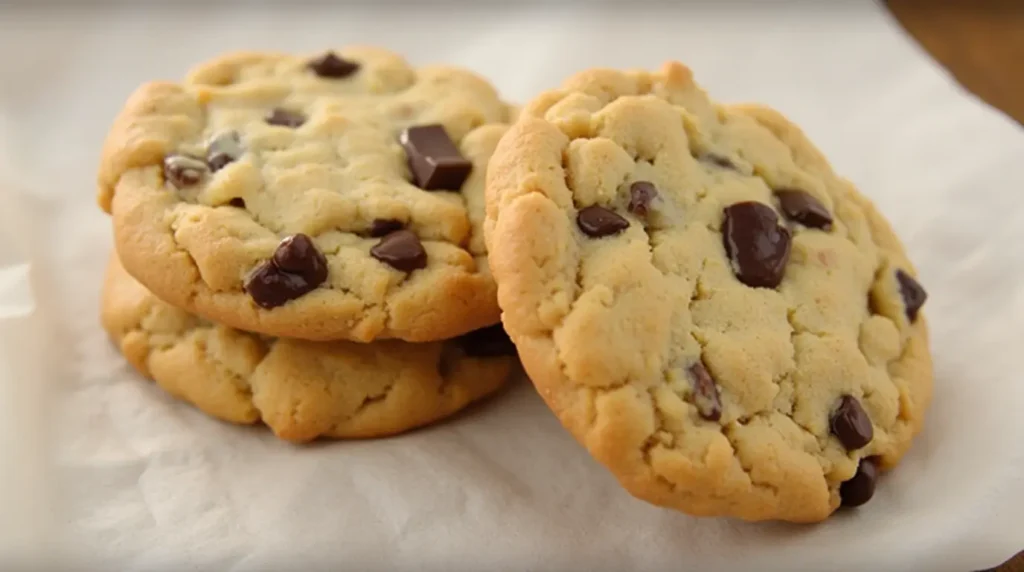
(851, 424)
(597, 221)
(184, 171)
(237, 202)
(402, 250)
(270, 287)
(223, 149)
(285, 118)
(434, 160)
(298, 255)
(803, 208)
(859, 489)
(641, 194)
(755, 243)
(913, 294)
(296, 268)
(491, 341)
(705, 393)
(331, 66)
(384, 226)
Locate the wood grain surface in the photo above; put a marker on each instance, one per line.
(982, 43)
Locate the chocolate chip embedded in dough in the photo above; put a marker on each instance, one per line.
(402, 250)
(851, 424)
(641, 195)
(861, 487)
(299, 255)
(801, 207)
(270, 287)
(433, 158)
(296, 268)
(596, 221)
(384, 226)
(184, 171)
(755, 243)
(705, 393)
(285, 118)
(223, 149)
(912, 293)
(330, 65)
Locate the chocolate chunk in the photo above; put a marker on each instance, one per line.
(237, 202)
(598, 221)
(270, 287)
(859, 489)
(401, 249)
(183, 170)
(913, 294)
(803, 208)
(285, 118)
(705, 393)
(718, 161)
(434, 159)
(223, 149)
(297, 254)
(332, 66)
(491, 341)
(641, 194)
(757, 246)
(851, 424)
(383, 226)
(296, 268)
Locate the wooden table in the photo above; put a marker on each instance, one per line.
(982, 43)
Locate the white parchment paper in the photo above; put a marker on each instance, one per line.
(142, 482)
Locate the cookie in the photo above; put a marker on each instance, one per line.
(725, 323)
(301, 389)
(322, 197)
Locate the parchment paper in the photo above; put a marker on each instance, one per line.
(137, 481)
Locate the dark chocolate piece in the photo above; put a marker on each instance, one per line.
(330, 65)
(755, 243)
(851, 424)
(384, 226)
(913, 294)
(402, 250)
(861, 487)
(184, 171)
(296, 268)
(285, 118)
(434, 160)
(803, 208)
(596, 221)
(223, 149)
(641, 194)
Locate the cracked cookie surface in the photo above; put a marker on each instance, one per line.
(725, 323)
(300, 389)
(205, 178)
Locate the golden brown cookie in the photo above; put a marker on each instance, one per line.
(725, 323)
(328, 196)
(301, 389)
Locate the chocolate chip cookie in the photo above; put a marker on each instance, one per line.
(725, 323)
(301, 389)
(330, 196)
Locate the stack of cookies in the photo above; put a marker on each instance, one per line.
(327, 243)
